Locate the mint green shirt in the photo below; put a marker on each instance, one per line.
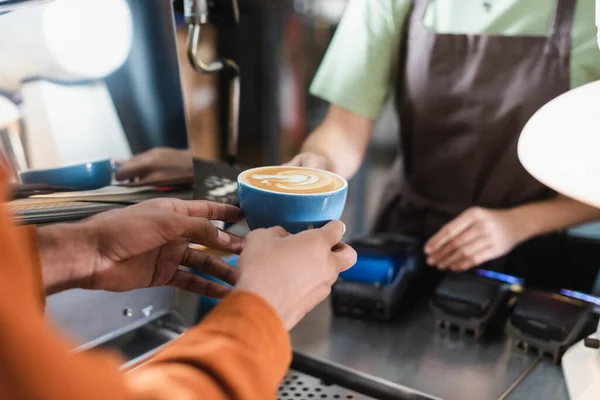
(359, 69)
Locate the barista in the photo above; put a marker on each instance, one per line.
(467, 75)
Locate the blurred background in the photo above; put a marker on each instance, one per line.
(279, 46)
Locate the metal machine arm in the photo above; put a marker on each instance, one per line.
(197, 13)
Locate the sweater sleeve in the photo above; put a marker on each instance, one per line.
(241, 351)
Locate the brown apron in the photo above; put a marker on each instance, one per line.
(463, 101)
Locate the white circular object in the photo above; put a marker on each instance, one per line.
(88, 38)
(560, 144)
(66, 40)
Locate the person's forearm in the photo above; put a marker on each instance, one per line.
(62, 250)
(342, 139)
(342, 157)
(551, 215)
(334, 147)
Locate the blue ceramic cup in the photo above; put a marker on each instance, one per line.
(85, 176)
(295, 211)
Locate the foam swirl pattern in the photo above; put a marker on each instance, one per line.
(287, 180)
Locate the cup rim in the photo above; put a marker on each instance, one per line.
(344, 186)
(75, 165)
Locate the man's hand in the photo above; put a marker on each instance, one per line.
(338, 145)
(141, 246)
(309, 160)
(156, 165)
(474, 237)
(294, 273)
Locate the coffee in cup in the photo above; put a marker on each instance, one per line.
(295, 198)
(293, 180)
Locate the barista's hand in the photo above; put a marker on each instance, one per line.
(140, 246)
(474, 237)
(158, 164)
(294, 273)
(310, 160)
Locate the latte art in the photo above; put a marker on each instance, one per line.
(293, 180)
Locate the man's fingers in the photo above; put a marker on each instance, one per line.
(469, 235)
(448, 232)
(278, 231)
(212, 211)
(202, 231)
(156, 176)
(332, 233)
(475, 260)
(267, 233)
(312, 162)
(344, 255)
(209, 265)
(294, 162)
(308, 160)
(468, 255)
(193, 283)
(197, 208)
(133, 168)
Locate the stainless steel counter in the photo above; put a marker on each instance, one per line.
(411, 353)
(545, 382)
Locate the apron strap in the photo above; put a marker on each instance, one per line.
(564, 15)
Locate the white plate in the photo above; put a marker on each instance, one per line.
(560, 145)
